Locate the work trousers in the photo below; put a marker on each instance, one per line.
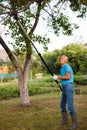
(67, 99)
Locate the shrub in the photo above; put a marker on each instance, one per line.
(80, 80)
(35, 87)
(9, 92)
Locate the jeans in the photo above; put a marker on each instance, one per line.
(67, 98)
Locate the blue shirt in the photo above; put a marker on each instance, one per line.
(65, 69)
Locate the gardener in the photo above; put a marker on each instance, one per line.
(66, 77)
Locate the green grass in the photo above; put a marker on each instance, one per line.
(44, 113)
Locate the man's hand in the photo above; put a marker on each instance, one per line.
(55, 77)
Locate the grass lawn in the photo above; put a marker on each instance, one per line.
(44, 114)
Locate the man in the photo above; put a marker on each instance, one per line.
(66, 77)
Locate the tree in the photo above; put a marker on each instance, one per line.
(29, 12)
(50, 58)
(77, 56)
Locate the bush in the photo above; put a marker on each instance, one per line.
(38, 90)
(41, 86)
(35, 87)
(9, 92)
(80, 80)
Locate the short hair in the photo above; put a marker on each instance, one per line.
(65, 57)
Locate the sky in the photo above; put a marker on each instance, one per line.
(57, 42)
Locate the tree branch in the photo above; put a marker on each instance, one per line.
(40, 5)
(26, 65)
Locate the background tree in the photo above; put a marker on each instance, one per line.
(50, 58)
(29, 12)
(36, 64)
(77, 54)
(77, 58)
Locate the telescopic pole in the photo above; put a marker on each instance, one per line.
(22, 28)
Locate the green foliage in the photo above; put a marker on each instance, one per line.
(19, 3)
(76, 54)
(45, 85)
(80, 6)
(50, 58)
(9, 92)
(41, 40)
(77, 57)
(27, 19)
(20, 41)
(61, 24)
(57, 19)
(42, 86)
(35, 87)
(38, 90)
(80, 80)
(35, 64)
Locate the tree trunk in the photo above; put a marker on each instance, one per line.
(23, 84)
(23, 81)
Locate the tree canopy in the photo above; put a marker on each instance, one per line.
(53, 11)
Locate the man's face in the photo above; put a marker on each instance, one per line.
(63, 60)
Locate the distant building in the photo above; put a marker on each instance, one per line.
(4, 69)
(3, 62)
(38, 75)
